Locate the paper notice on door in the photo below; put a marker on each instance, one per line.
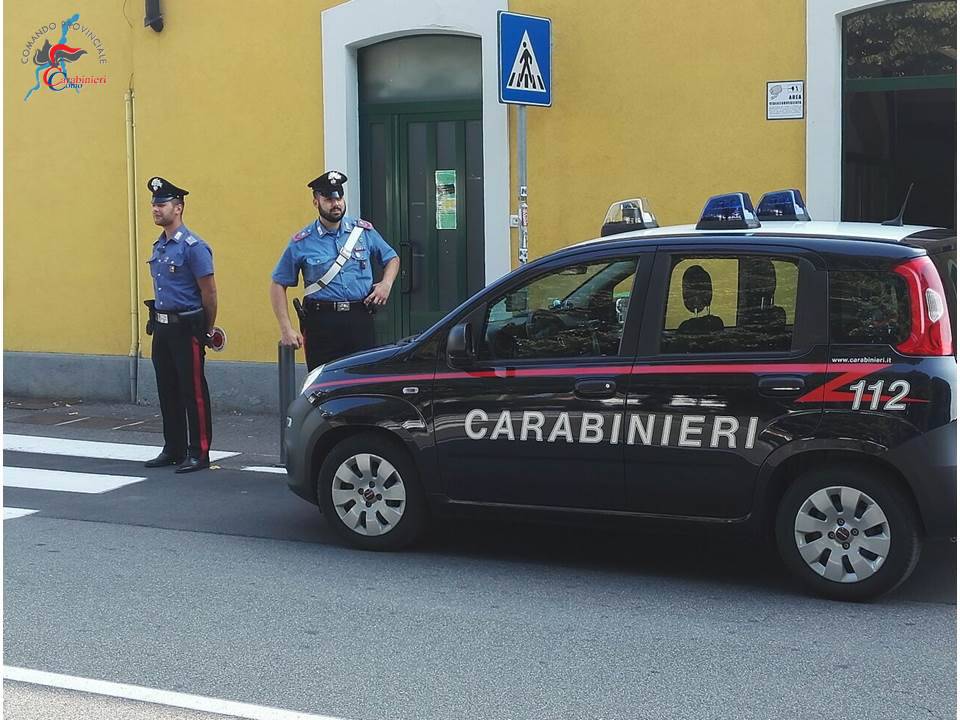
(446, 199)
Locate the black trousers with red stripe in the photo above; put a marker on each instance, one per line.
(178, 359)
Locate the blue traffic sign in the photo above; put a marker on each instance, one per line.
(525, 59)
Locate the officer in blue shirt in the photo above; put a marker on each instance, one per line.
(182, 316)
(335, 256)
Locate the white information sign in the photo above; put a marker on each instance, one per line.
(785, 100)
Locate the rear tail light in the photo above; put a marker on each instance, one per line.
(929, 323)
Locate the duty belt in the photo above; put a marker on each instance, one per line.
(321, 305)
(166, 318)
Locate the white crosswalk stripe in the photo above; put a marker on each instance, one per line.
(265, 469)
(9, 513)
(89, 448)
(64, 481)
(67, 480)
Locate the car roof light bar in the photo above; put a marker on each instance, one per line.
(627, 215)
(780, 205)
(731, 211)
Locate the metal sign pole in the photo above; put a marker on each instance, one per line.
(288, 388)
(522, 178)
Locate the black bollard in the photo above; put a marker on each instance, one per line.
(288, 388)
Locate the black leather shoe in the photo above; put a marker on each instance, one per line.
(164, 458)
(192, 464)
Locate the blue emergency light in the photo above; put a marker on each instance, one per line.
(626, 215)
(783, 205)
(732, 211)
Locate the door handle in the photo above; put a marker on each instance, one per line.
(781, 385)
(595, 388)
(406, 267)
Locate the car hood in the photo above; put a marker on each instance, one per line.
(365, 357)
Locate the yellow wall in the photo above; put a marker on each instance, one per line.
(658, 99)
(665, 100)
(65, 285)
(228, 105)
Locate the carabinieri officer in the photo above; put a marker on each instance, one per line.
(335, 256)
(182, 316)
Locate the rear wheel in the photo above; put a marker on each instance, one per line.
(370, 493)
(846, 533)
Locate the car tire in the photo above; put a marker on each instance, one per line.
(847, 533)
(369, 479)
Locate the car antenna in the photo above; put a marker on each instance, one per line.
(898, 220)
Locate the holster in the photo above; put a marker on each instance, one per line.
(151, 316)
(301, 313)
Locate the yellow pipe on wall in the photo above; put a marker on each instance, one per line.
(134, 353)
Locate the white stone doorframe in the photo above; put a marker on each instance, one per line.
(825, 101)
(359, 23)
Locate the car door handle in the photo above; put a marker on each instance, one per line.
(406, 267)
(781, 385)
(596, 388)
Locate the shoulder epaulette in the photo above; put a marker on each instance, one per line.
(364, 224)
(191, 240)
(298, 236)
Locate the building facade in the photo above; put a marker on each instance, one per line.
(243, 103)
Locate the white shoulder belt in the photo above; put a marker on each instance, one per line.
(338, 264)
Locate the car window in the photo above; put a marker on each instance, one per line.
(868, 308)
(575, 311)
(730, 304)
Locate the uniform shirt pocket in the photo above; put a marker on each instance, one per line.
(314, 268)
(175, 264)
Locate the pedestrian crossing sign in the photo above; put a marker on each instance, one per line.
(525, 59)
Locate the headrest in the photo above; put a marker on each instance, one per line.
(762, 278)
(697, 288)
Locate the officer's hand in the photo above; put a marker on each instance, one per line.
(378, 296)
(291, 338)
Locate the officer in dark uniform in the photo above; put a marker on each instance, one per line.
(335, 256)
(182, 317)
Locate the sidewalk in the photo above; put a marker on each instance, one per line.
(256, 435)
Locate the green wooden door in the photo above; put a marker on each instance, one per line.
(422, 187)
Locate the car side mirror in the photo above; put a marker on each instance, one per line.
(460, 346)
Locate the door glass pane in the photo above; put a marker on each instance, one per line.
(742, 304)
(578, 311)
(906, 39)
(420, 68)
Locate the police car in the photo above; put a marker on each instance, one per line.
(758, 369)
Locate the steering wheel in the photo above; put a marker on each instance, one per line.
(544, 322)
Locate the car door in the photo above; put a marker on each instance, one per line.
(535, 419)
(731, 355)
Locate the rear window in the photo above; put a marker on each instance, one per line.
(868, 308)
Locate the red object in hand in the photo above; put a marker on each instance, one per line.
(217, 339)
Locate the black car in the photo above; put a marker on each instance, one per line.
(796, 377)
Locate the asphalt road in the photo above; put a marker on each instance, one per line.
(224, 584)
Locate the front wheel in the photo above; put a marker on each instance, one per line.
(370, 493)
(846, 533)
